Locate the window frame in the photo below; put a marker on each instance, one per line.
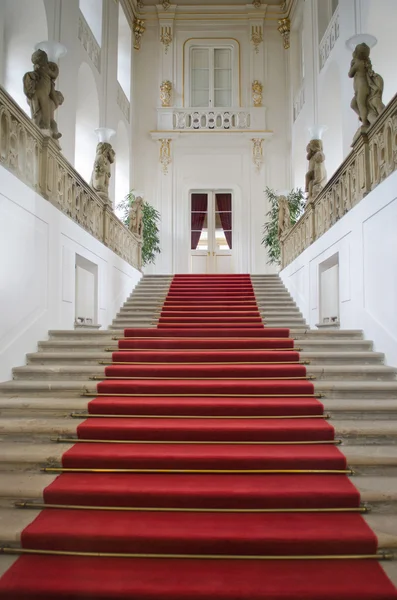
(212, 44)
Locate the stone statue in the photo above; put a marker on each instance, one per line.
(105, 156)
(316, 176)
(165, 93)
(284, 218)
(257, 89)
(42, 97)
(368, 87)
(136, 216)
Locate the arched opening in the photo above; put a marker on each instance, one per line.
(122, 170)
(87, 120)
(25, 24)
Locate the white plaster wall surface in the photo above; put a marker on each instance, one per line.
(367, 245)
(38, 246)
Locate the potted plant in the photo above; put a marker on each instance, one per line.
(270, 240)
(150, 218)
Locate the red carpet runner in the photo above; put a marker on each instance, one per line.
(218, 477)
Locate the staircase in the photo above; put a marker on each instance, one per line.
(359, 392)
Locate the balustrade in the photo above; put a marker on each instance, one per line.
(37, 161)
(372, 159)
(211, 119)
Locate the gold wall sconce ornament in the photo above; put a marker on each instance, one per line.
(284, 27)
(256, 36)
(138, 31)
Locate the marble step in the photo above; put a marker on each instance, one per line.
(109, 343)
(352, 389)
(156, 310)
(314, 358)
(30, 451)
(327, 372)
(121, 323)
(61, 407)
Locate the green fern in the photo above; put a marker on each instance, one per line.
(151, 216)
(296, 201)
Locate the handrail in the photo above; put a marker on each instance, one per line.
(372, 159)
(37, 161)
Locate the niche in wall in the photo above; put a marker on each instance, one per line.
(328, 274)
(86, 290)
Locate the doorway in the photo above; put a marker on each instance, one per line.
(211, 224)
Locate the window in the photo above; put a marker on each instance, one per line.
(124, 54)
(92, 12)
(211, 77)
(211, 73)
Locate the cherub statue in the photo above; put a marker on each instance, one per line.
(105, 156)
(43, 99)
(136, 216)
(284, 218)
(368, 87)
(316, 176)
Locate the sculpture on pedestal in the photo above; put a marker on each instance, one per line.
(136, 216)
(284, 217)
(105, 156)
(368, 87)
(316, 176)
(42, 97)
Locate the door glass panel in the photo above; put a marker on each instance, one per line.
(200, 77)
(223, 221)
(199, 222)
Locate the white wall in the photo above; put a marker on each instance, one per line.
(38, 246)
(366, 241)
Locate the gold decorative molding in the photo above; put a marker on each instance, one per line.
(256, 3)
(138, 31)
(165, 154)
(256, 36)
(165, 4)
(257, 152)
(284, 27)
(165, 93)
(166, 37)
(257, 89)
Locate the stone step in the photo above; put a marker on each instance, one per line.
(55, 406)
(102, 345)
(314, 358)
(121, 323)
(328, 372)
(29, 449)
(329, 388)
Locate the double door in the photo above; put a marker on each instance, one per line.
(211, 226)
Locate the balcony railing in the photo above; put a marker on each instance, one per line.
(207, 119)
(37, 161)
(373, 158)
(299, 101)
(329, 38)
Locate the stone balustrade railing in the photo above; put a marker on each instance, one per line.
(329, 38)
(205, 118)
(372, 159)
(37, 161)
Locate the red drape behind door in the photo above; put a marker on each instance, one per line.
(199, 203)
(224, 203)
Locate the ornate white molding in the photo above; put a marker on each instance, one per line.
(89, 42)
(257, 152)
(123, 102)
(165, 154)
(299, 101)
(208, 119)
(166, 37)
(256, 36)
(329, 38)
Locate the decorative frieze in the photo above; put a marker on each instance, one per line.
(123, 102)
(89, 42)
(329, 38)
(37, 161)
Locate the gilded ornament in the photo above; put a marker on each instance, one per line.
(138, 31)
(165, 4)
(257, 152)
(257, 89)
(256, 3)
(256, 36)
(284, 27)
(165, 93)
(165, 154)
(166, 38)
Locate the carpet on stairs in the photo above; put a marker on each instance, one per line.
(205, 469)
